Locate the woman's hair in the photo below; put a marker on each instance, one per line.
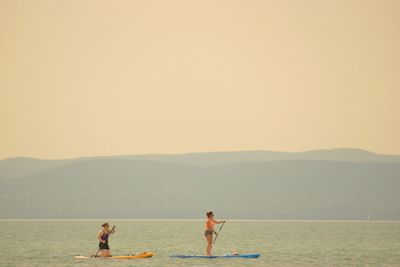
(209, 214)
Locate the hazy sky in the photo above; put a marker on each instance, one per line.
(80, 78)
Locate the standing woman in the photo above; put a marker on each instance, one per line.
(102, 236)
(209, 230)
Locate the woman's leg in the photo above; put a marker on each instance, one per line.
(209, 245)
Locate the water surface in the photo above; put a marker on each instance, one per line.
(281, 243)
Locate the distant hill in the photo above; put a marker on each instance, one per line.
(351, 187)
(218, 158)
(22, 166)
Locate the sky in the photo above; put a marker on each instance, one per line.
(87, 78)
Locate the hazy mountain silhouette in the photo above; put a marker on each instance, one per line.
(237, 185)
(22, 166)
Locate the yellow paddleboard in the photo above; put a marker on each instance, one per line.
(136, 256)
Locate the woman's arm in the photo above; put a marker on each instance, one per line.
(218, 222)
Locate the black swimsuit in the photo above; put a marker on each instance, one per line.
(104, 245)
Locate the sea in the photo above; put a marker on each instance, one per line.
(280, 243)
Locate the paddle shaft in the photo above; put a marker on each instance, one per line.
(112, 230)
(216, 235)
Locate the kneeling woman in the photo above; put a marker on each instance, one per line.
(102, 236)
(208, 233)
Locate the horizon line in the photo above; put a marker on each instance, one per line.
(201, 152)
(198, 220)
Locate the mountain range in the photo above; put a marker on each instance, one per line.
(321, 184)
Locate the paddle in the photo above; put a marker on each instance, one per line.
(216, 235)
(112, 230)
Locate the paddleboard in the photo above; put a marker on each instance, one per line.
(247, 256)
(135, 256)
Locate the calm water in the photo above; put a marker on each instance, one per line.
(281, 243)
